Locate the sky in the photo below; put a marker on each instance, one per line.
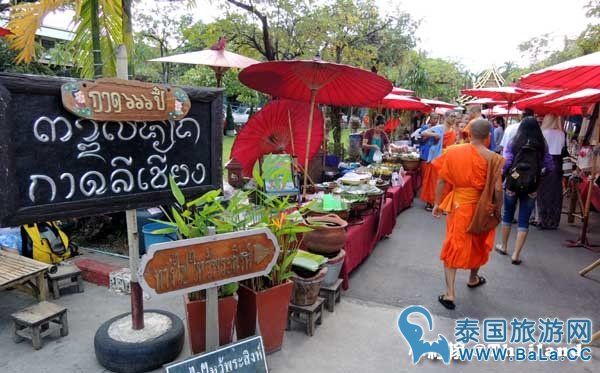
(477, 34)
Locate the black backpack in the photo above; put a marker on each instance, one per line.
(523, 177)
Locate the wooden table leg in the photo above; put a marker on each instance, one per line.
(36, 338)
(589, 268)
(42, 285)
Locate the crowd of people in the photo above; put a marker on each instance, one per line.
(481, 173)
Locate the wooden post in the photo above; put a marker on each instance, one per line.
(313, 97)
(589, 268)
(212, 312)
(137, 301)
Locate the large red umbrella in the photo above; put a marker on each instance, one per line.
(485, 101)
(437, 103)
(393, 101)
(217, 58)
(508, 94)
(402, 91)
(4, 32)
(578, 73)
(583, 97)
(316, 81)
(279, 127)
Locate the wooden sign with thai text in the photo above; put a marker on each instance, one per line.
(201, 263)
(124, 100)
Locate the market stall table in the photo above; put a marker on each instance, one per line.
(387, 219)
(403, 196)
(360, 242)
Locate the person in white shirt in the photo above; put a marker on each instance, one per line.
(549, 198)
(511, 131)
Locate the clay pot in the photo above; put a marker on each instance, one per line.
(195, 312)
(306, 290)
(328, 235)
(334, 267)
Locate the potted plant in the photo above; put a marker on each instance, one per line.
(192, 219)
(264, 301)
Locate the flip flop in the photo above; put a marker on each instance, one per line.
(517, 262)
(448, 304)
(481, 281)
(499, 250)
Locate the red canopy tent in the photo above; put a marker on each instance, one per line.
(578, 73)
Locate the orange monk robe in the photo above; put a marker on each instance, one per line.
(465, 170)
(430, 173)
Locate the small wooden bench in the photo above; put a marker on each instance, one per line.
(33, 322)
(332, 294)
(66, 276)
(310, 316)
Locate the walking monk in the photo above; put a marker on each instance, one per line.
(465, 168)
(430, 175)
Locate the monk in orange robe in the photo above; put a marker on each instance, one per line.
(464, 168)
(429, 172)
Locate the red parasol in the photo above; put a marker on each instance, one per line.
(485, 101)
(398, 102)
(268, 131)
(217, 58)
(437, 103)
(577, 98)
(316, 81)
(391, 125)
(402, 91)
(4, 32)
(508, 94)
(578, 73)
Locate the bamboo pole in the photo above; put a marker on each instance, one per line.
(313, 97)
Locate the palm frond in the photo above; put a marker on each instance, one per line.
(25, 19)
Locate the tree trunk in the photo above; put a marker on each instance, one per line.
(96, 51)
(128, 36)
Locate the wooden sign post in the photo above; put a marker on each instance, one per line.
(205, 263)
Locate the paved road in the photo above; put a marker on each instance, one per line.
(362, 336)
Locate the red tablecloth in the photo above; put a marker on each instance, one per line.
(417, 180)
(387, 218)
(360, 242)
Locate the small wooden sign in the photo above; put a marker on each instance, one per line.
(124, 100)
(201, 263)
(246, 355)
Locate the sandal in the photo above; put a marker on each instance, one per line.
(481, 281)
(448, 304)
(499, 250)
(516, 262)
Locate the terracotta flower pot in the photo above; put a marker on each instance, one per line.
(306, 290)
(328, 234)
(195, 311)
(271, 308)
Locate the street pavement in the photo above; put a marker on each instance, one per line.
(362, 334)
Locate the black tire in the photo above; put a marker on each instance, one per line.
(123, 357)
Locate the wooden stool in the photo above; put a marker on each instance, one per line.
(66, 276)
(33, 322)
(332, 294)
(308, 315)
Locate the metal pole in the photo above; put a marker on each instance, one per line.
(212, 312)
(137, 301)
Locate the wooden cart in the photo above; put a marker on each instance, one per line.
(24, 274)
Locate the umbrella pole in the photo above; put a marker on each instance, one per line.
(291, 133)
(313, 97)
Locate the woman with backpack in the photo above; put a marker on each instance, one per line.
(526, 158)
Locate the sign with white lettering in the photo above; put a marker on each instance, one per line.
(56, 165)
(244, 356)
(200, 263)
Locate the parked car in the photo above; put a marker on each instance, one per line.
(241, 115)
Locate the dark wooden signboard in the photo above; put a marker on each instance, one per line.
(200, 263)
(55, 165)
(243, 356)
(116, 99)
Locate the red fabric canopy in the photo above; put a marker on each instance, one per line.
(578, 73)
(268, 131)
(578, 98)
(402, 91)
(334, 84)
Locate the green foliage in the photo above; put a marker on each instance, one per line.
(229, 118)
(7, 63)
